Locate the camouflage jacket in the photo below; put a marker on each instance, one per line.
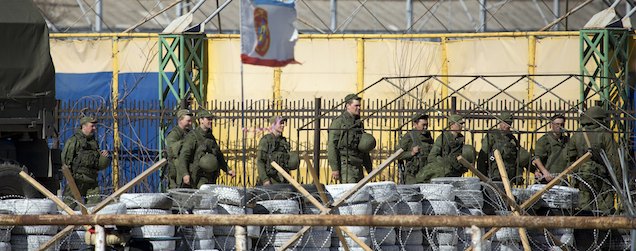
(344, 136)
(551, 150)
(81, 153)
(446, 149)
(413, 163)
(272, 148)
(196, 144)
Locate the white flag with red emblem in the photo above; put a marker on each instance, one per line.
(268, 34)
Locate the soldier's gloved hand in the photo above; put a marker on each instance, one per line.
(186, 180)
(266, 182)
(335, 175)
(415, 150)
(231, 173)
(104, 153)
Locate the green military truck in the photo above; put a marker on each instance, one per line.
(27, 100)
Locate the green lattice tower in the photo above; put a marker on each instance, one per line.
(604, 60)
(181, 73)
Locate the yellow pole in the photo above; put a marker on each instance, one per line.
(360, 66)
(114, 100)
(277, 97)
(444, 68)
(532, 55)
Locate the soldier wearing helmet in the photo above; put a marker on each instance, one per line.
(274, 147)
(81, 153)
(200, 159)
(595, 193)
(417, 144)
(349, 146)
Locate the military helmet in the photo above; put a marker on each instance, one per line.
(103, 162)
(506, 117)
(593, 113)
(294, 161)
(455, 118)
(367, 143)
(208, 162)
(468, 153)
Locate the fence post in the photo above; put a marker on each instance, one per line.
(317, 110)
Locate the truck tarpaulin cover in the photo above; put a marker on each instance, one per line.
(26, 68)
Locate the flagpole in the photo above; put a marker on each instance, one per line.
(243, 139)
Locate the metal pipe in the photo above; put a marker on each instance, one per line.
(483, 11)
(100, 238)
(98, 16)
(317, 111)
(409, 14)
(334, 15)
(556, 9)
(342, 36)
(577, 222)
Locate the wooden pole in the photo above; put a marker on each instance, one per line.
(323, 210)
(351, 191)
(487, 180)
(504, 178)
(73, 186)
(527, 221)
(510, 202)
(367, 178)
(46, 193)
(129, 185)
(547, 187)
(323, 196)
(105, 202)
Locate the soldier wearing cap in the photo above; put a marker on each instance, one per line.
(200, 159)
(595, 193)
(274, 147)
(345, 155)
(174, 141)
(81, 153)
(503, 140)
(416, 144)
(443, 157)
(550, 150)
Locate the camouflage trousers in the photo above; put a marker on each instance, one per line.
(595, 193)
(89, 190)
(351, 173)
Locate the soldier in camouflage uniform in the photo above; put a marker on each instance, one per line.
(196, 144)
(503, 140)
(416, 144)
(273, 147)
(174, 142)
(81, 153)
(550, 149)
(443, 157)
(595, 193)
(345, 159)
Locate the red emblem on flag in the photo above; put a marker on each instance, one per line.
(262, 31)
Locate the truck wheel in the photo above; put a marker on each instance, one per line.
(13, 185)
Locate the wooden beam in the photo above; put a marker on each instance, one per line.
(506, 182)
(323, 210)
(527, 221)
(46, 193)
(537, 195)
(130, 184)
(73, 186)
